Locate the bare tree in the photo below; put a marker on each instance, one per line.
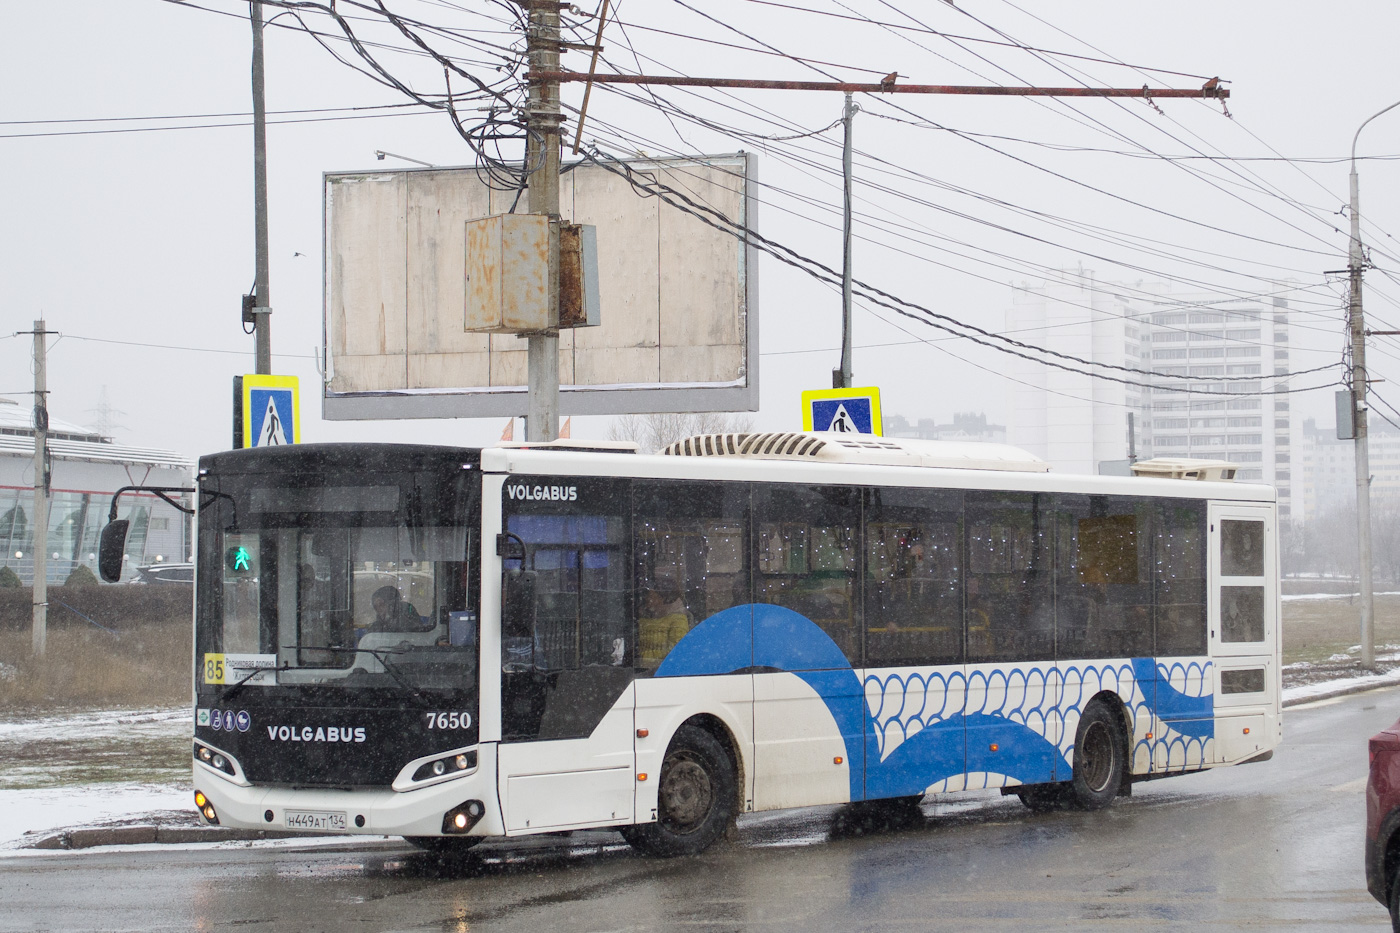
(655, 431)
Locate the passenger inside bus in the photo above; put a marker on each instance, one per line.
(663, 623)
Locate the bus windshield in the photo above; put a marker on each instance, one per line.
(337, 580)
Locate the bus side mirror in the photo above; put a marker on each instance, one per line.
(111, 549)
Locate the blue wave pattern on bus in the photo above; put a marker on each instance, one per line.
(908, 750)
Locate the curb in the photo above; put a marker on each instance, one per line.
(145, 835)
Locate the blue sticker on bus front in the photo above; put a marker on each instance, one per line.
(216, 719)
(243, 720)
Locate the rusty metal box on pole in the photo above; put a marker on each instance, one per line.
(507, 275)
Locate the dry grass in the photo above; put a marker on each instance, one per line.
(1316, 629)
(87, 668)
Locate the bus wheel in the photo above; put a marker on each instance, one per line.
(1100, 756)
(443, 845)
(695, 797)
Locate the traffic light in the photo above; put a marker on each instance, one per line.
(238, 560)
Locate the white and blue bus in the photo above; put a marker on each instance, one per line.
(451, 644)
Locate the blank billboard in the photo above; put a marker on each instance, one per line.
(678, 297)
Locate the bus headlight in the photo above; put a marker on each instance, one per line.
(449, 765)
(214, 759)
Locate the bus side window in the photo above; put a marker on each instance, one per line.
(1179, 581)
(690, 559)
(806, 544)
(578, 553)
(913, 577)
(1010, 593)
(1103, 579)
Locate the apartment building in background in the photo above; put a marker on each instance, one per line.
(1234, 352)
(1327, 468)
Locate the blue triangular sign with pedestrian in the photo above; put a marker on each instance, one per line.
(842, 411)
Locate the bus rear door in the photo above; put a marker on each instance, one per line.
(1244, 628)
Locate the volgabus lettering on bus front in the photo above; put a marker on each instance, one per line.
(316, 734)
(520, 491)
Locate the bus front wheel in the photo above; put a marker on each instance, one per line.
(1100, 755)
(695, 797)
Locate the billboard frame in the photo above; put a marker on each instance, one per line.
(615, 399)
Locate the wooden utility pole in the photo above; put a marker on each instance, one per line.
(543, 119)
(40, 522)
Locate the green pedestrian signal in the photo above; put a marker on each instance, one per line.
(238, 560)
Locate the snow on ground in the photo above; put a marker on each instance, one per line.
(81, 769)
(98, 723)
(1323, 688)
(45, 810)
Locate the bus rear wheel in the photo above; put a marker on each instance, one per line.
(1100, 757)
(695, 798)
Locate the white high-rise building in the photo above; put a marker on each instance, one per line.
(1327, 470)
(1233, 349)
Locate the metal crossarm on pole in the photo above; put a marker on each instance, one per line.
(542, 76)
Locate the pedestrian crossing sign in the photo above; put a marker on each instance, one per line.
(271, 411)
(849, 411)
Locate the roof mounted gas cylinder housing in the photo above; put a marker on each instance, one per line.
(835, 447)
(1186, 468)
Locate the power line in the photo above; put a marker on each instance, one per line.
(925, 315)
(206, 126)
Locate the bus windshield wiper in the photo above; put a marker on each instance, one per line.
(233, 689)
(378, 653)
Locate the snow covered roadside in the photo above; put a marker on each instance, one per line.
(38, 812)
(1303, 693)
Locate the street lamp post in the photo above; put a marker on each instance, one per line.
(1359, 378)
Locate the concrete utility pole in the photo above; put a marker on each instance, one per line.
(843, 378)
(1359, 378)
(262, 309)
(542, 161)
(41, 491)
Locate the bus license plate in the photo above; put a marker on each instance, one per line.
(322, 820)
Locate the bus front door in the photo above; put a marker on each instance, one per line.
(566, 758)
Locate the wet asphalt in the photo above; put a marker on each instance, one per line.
(1273, 846)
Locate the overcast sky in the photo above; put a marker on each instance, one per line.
(134, 240)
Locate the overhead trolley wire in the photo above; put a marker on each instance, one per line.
(813, 267)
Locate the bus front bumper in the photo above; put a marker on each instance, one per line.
(423, 811)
